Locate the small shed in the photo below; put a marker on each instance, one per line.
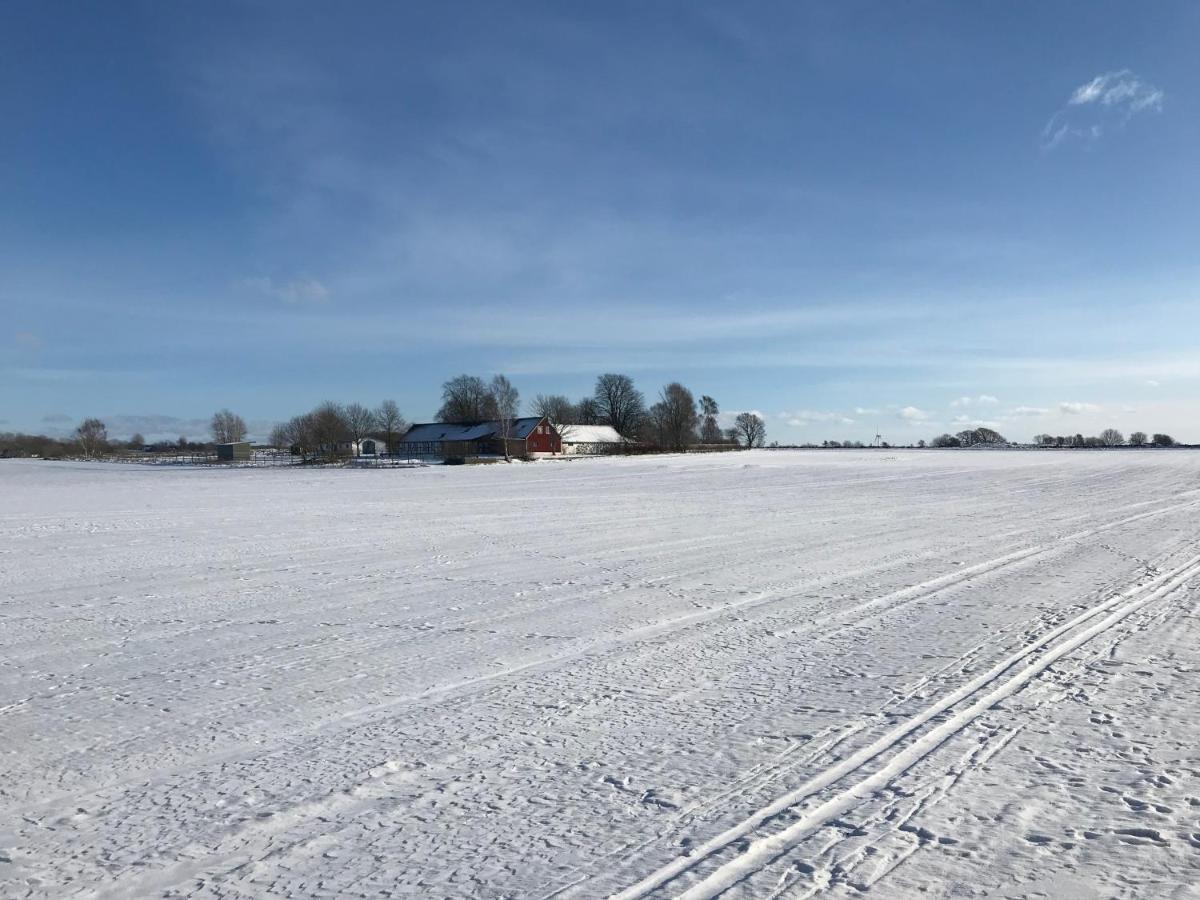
(233, 451)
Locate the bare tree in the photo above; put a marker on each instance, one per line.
(675, 417)
(466, 399)
(281, 436)
(710, 431)
(560, 411)
(619, 403)
(586, 412)
(1163, 440)
(390, 422)
(298, 434)
(750, 428)
(137, 441)
(1137, 439)
(360, 422)
(92, 436)
(227, 427)
(329, 428)
(1110, 437)
(507, 405)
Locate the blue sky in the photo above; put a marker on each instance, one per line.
(850, 217)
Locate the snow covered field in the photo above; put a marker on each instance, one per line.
(933, 674)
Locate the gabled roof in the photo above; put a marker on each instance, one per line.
(442, 431)
(591, 434)
(521, 428)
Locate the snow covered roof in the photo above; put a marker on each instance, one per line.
(591, 434)
(442, 431)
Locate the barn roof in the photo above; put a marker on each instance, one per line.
(442, 431)
(592, 434)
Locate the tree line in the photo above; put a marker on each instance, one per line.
(676, 421)
(1109, 437)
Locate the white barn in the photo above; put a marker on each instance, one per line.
(590, 440)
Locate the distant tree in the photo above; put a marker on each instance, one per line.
(586, 412)
(328, 428)
(710, 431)
(833, 444)
(1163, 440)
(298, 434)
(946, 440)
(1093, 441)
(507, 404)
(1078, 441)
(921, 443)
(750, 428)
(466, 399)
(227, 427)
(137, 441)
(360, 422)
(1110, 437)
(619, 403)
(390, 423)
(92, 436)
(182, 442)
(281, 437)
(1137, 439)
(674, 417)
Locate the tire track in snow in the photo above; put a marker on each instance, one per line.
(1002, 684)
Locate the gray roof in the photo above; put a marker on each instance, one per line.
(435, 432)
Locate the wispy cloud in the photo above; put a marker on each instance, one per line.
(1107, 101)
(802, 417)
(298, 291)
(1028, 411)
(981, 400)
(27, 340)
(1070, 408)
(913, 414)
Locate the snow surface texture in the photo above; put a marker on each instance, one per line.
(927, 674)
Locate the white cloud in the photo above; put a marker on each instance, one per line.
(865, 411)
(1150, 382)
(981, 400)
(913, 414)
(1108, 100)
(301, 290)
(1075, 409)
(1121, 88)
(1028, 411)
(803, 417)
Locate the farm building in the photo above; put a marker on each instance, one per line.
(591, 440)
(530, 436)
(236, 450)
(368, 446)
